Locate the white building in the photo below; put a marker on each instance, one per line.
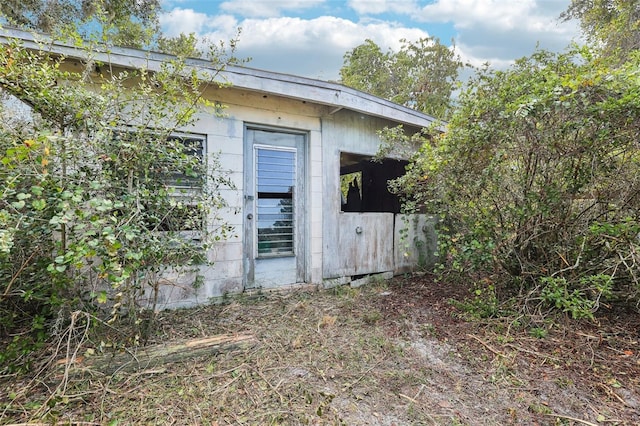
(288, 140)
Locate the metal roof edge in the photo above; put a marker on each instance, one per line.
(302, 88)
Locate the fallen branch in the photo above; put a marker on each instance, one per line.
(351, 385)
(538, 354)
(498, 353)
(46, 424)
(152, 357)
(408, 398)
(584, 422)
(15, 276)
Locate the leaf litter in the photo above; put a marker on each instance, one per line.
(391, 353)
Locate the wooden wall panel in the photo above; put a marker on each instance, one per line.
(364, 245)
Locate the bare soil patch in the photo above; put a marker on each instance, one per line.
(392, 353)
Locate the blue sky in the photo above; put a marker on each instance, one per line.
(310, 37)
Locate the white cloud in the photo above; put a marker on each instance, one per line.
(313, 48)
(495, 31)
(376, 7)
(469, 13)
(470, 56)
(498, 31)
(266, 9)
(183, 21)
(325, 32)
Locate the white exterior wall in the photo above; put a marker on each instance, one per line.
(347, 253)
(225, 138)
(334, 117)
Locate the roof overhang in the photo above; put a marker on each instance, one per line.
(333, 95)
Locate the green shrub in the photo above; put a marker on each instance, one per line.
(89, 207)
(537, 179)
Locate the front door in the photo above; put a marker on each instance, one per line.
(274, 208)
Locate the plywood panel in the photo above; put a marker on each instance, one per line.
(364, 245)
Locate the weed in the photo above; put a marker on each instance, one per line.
(484, 303)
(538, 408)
(563, 382)
(505, 339)
(327, 321)
(538, 332)
(371, 317)
(344, 291)
(428, 330)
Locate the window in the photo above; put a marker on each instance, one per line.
(185, 213)
(190, 177)
(275, 180)
(364, 183)
(180, 168)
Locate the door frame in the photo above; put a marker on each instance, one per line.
(301, 215)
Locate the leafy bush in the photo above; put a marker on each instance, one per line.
(538, 180)
(89, 208)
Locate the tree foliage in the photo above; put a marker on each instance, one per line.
(183, 45)
(96, 190)
(615, 24)
(127, 23)
(538, 180)
(421, 75)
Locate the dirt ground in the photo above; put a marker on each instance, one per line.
(389, 353)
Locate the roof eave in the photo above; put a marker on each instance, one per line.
(333, 95)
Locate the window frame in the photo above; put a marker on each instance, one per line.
(369, 187)
(294, 195)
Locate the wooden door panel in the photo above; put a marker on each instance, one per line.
(365, 244)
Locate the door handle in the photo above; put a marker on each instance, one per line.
(249, 216)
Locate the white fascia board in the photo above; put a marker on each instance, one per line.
(330, 94)
(334, 95)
